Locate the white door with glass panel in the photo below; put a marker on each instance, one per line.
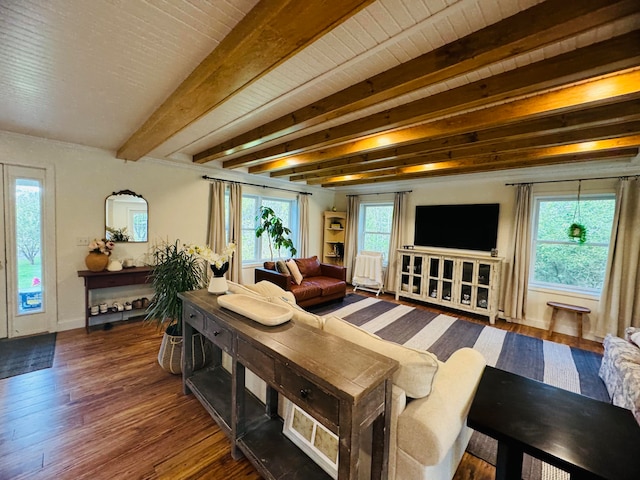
(28, 302)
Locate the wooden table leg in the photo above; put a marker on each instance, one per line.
(580, 318)
(554, 312)
(509, 462)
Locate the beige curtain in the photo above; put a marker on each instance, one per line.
(235, 230)
(395, 243)
(351, 235)
(620, 301)
(216, 235)
(516, 281)
(303, 222)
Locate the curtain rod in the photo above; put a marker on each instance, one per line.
(206, 177)
(376, 193)
(574, 180)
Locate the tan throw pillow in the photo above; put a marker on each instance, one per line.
(295, 271)
(309, 267)
(417, 367)
(282, 267)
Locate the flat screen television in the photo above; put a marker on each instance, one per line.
(465, 227)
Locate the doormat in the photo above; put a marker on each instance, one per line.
(26, 354)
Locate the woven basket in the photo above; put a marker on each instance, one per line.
(170, 354)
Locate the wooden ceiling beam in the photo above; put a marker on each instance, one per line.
(563, 122)
(526, 157)
(533, 28)
(610, 89)
(467, 168)
(272, 32)
(498, 146)
(598, 59)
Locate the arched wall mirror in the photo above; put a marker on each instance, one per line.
(126, 217)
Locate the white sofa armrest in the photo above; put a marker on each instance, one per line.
(428, 427)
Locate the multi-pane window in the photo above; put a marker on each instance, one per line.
(562, 263)
(254, 249)
(375, 228)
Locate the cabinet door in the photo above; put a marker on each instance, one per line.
(448, 266)
(484, 284)
(467, 284)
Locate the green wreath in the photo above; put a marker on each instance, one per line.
(577, 231)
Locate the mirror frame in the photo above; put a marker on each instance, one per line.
(107, 234)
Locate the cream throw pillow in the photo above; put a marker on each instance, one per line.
(268, 289)
(300, 315)
(295, 271)
(417, 367)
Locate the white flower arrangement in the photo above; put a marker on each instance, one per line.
(216, 260)
(101, 246)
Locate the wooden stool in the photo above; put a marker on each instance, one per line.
(579, 311)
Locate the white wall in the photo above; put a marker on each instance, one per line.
(177, 196)
(485, 189)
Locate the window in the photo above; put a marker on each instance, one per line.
(375, 228)
(561, 263)
(256, 250)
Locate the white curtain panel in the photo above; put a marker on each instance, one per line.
(235, 230)
(395, 242)
(303, 216)
(351, 235)
(620, 301)
(515, 297)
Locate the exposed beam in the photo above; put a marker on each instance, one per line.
(525, 158)
(479, 166)
(272, 32)
(580, 64)
(533, 28)
(610, 89)
(588, 117)
(502, 146)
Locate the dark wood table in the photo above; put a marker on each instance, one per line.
(585, 437)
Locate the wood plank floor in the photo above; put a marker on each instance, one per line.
(106, 410)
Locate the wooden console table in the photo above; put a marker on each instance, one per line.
(107, 279)
(347, 388)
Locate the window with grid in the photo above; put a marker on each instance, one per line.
(256, 250)
(561, 263)
(375, 228)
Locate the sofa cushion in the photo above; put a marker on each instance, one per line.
(267, 290)
(328, 286)
(281, 267)
(295, 271)
(300, 315)
(309, 267)
(305, 291)
(417, 367)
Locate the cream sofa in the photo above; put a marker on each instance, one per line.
(431, 399)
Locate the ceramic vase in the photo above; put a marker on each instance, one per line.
(96, 262)
(217, 283)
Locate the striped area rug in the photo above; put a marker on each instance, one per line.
(552, 363)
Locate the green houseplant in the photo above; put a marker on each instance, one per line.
(278, 234)
(175, 270)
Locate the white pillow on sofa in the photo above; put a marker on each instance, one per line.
(417, 367)
(268, 289)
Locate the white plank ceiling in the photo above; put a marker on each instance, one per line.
(91, 72)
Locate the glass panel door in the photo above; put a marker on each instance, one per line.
(30, 269)
(3, 263)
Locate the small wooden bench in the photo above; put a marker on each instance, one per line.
(579, 311)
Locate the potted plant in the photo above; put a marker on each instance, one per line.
(175, 270)
(577, 231)
(278, 234)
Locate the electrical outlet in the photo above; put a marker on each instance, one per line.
(82, 241)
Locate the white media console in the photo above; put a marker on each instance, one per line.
(461, 281)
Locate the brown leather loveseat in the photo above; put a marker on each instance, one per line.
(320, 283)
